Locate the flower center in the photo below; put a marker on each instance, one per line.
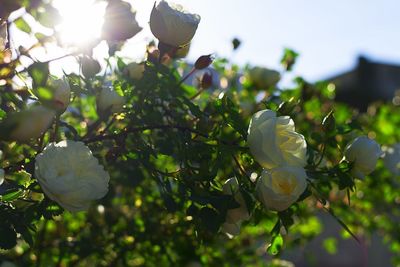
(285, 186)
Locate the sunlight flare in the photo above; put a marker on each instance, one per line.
(81, 21)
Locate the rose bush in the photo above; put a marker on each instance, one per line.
(171, 149)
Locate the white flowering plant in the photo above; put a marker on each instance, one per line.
(126, 163)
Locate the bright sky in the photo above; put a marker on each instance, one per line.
(328, 34)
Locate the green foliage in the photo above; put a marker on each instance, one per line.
(168, 153)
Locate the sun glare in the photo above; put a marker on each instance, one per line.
(81, 20)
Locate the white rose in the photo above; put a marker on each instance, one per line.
(234, 217)
(70, 175)
(172, 25)
(61, 94)
(24, 125)
(263, 77)
(280, 187)
(363, 153)
(134, 70)
(274, 142)
(392, 159)
(109, 100)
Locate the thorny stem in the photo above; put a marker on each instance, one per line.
(187, 76)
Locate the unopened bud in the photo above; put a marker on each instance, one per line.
(206, 80)
(90, 67)
(153, 54)
(329, 123)
(61, 94)
(203, 62)
(119, 21)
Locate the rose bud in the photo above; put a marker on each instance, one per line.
(119, 21)
(363, 153)
(203, 62)
(90, 67)
(172, 25)
(61, 94)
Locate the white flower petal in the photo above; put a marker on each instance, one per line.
(70, 175)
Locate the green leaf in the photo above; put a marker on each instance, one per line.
(289, 58)
(8, 238)
(329, 124)
(23, 25)
(286, 218)
(49, 17)
(276, 245)
(120, 64)
(193, 108)
(26, 234)
(39, 73)
(2, 114)
(11, 195)
(211, 219)
(235, 43)
(231, 115)
(44, 93)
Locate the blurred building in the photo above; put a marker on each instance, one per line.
(367, 82)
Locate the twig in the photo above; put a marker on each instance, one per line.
(140, 129)
(241, 167)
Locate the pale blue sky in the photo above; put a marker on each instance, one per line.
(328, 34)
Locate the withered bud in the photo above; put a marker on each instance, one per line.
(203, 62)
(206, 80)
